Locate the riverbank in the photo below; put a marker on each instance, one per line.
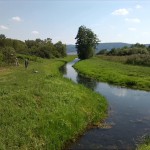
(145, 144)
(42, 110)
(136, 77)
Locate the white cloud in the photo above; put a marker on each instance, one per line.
(132, 29)
(120, 12)
(3, 27)
(133, 20)
(120, 92)
(138, 6)
(17, 19)
(35, 32)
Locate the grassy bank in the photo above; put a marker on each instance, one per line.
(137, 77)
(145, 145)
(136, 59)
(43, 110)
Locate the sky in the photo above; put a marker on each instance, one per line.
(111, 20)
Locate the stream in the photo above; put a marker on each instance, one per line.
(128, 115)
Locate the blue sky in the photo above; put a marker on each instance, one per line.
(112, 20)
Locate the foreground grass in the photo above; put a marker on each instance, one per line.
(145, 145)
(44, 110)
(136, 77)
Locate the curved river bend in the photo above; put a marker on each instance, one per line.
(129, 115)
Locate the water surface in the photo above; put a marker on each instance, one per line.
(129, 115)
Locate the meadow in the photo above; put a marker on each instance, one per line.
(117, 73)
(39, 109)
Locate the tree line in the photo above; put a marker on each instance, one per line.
(86, 41)
(124, 51)
(136, 54)
(40, 48)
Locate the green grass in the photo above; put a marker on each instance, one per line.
(145, 145)
(136, 77)
(44, 110)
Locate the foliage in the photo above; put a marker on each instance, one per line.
(139, 60)
(86, 42)
(145, 145)
(45, 48)
(19, 46)
(8, 55)
(1, 57)
(134, 49)
(2, 36)
(137, 54)
(40, 48)
(137, 77)
(102, 52)
(22, 57)
(61, 48)
(136, 59)
(44, 110)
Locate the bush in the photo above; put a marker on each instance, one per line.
(1, 57)
(31, 58)
(9, 55)
(102, 52)
(139, 59)
(134, 49)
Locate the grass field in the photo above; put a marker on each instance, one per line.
(43, 110)
(145, 145)
(136, 77)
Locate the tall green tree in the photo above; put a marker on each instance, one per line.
(86, 42)
(61, 48)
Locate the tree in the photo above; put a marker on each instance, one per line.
(2, 40)
(2, 36)
(61, 48)
(86, 42)
(102, 52)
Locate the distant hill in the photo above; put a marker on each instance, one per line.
(72, 50)
(109, 46)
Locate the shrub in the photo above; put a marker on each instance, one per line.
(9, 55)
(102, 52)
(139, 59)
(1, 57)
(31, 58)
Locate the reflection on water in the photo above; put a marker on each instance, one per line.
(89, 83)
(129, 115)
(120, 92)
(70, 72)
(63, 70)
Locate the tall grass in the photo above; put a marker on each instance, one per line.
(43, 110)
(137, 77)
(145, 144)
(136, 59)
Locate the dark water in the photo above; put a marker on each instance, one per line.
(129, 115)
